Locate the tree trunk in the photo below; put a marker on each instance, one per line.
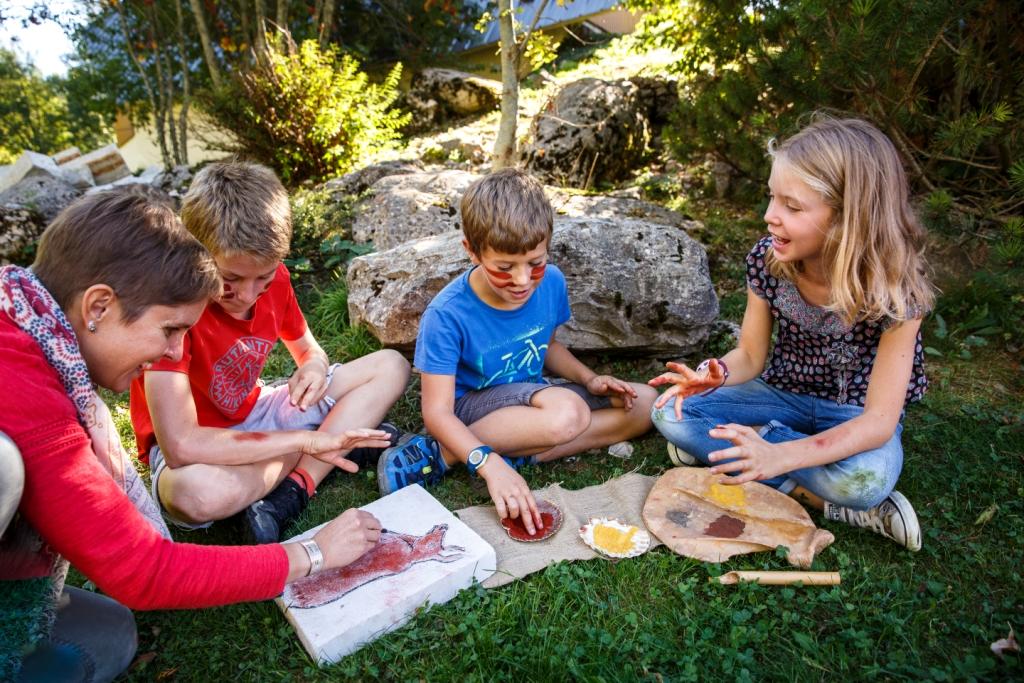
(505, 143)
(281, 19)
(158, 122)
(186, 95)
(260, 25)
(327, 23)
(166, 125)
(243, 12)
(204, 39)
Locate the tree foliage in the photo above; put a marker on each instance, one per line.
(308, 113)
(36, 113)
(944, 79)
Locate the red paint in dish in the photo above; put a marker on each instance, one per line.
(550, 516)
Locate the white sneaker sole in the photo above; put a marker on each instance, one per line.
(911, 527)
(679, 457)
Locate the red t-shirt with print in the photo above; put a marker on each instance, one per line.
(223, 358)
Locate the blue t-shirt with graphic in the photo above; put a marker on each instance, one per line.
(484, 346)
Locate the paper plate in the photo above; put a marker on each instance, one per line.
(614, 538)
(549, 513)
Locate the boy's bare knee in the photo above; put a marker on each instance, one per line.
(190, 499)
(566, 419)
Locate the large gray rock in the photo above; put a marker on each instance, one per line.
(359, 181)
(19, 227)
(591, 131)
(437, 95)
(635, 287)
(43, 193)
(414, 205)
(28, 165)
(407, 207)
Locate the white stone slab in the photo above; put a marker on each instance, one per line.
(66, 155)
(28, 164)
(105, 163)
(426, 556)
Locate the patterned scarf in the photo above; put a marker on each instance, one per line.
(33, 309)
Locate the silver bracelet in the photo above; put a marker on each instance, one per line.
(316, 558)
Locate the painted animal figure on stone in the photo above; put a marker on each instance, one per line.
(394, 554)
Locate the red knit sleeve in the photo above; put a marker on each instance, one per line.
(81, 512)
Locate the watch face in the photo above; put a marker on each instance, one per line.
(475, 457)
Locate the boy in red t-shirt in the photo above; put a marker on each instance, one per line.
(217, 440)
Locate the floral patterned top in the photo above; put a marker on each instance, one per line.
(816, 353)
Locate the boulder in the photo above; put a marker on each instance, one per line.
(28, 165)
(635, 287)
(175, 181)
(659, 97)
(410, 206)
(436, 95)
(66, 155)
(419, 204)
(591, 131)
(41, 192)
(105, 163)
(19, 227)
(359, 181)
(148, 177)
(79, 176)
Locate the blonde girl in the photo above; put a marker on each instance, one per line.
(841, 278)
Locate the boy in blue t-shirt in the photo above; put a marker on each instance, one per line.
(483, 344)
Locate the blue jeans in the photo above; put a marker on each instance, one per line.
(860, 481)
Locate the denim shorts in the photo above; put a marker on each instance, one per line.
(475, 405)
(273, 412)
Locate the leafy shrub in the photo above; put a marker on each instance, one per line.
(944, 79)
(308, 113)
(320, 232)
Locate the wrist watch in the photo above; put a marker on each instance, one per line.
(477, 457)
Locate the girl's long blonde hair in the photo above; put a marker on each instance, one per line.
(875, 244)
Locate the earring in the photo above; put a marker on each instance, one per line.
(91, 326)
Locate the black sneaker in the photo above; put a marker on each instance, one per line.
(368, 457)
(266, 518)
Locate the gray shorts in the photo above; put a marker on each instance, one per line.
(474, 405)
(273, 412)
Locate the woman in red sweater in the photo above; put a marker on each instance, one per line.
(116, 283)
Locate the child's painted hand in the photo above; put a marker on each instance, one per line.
(328, 447)
(606, 385)
(752, 458)
(308, 384)
(686, 382)
(510, 493)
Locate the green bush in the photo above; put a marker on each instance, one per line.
(308, 113)
(944, 79)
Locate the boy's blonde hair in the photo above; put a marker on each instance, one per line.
(506, 211)
(874, 249)
(238, 207)
(130, 240)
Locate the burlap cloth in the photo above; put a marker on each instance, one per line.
(622, 498)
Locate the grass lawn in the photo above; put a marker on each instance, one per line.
(928, 615)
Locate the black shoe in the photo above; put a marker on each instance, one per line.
(368, 457)
(266, 518)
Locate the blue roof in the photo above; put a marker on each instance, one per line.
(571, 12)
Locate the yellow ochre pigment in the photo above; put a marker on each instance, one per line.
(728, 496)
(613, 540)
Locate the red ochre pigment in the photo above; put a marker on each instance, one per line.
(392, 555)
(517, 530)
(725, 527)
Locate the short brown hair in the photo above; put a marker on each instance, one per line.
(132, 243)
(506, 211)
(238, 207)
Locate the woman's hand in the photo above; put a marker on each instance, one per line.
(308, 384)
(510, 493)
(606, 385)
(328, 447)
(753, 458)
(686, 382)
(347, 537)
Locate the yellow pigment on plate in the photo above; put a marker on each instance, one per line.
(613, 540)
(729, 496)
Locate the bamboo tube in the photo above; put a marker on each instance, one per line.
(780, 578)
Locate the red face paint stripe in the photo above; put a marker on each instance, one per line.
(537, 272)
